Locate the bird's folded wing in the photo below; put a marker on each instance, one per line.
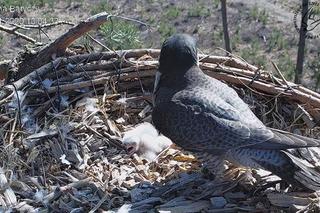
(198, 129)
(195, 128)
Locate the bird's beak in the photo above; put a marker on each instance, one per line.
(156, 82)
(131, 149)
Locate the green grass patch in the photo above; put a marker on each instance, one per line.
(151, 20)
(253, 55)
(314, 66)
(172, 13)
(236, 38)
(277, 41)
(166, 30)
(286, 66)
(217, 37)
(315, 9)
(259, 15)
(120, 34)
(198, 11)
(102, 6)
(215, 3)
(1, 39)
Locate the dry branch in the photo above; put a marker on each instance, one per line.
(229, 69)
(59, 46)
(48, 25)
(14, 31)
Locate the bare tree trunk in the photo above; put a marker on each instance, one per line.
(225, 25)
(302, 40)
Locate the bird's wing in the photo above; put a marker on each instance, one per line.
(217, 127)
(227, 98)
(286, 140)
(196, 128)
(225, 103)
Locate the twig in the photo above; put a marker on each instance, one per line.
(53, 24)
(98, 42)
(13, 31)
(131, 19)
(280, 74)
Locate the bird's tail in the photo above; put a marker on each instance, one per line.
(294, 170)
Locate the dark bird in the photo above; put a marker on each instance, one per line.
(207, 117)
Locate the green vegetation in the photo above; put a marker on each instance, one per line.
(172, 13)
(315, 9)
(253, 54)
(1, 39)
(286, 65)
(198, 11)
(217, 37)
(85, 42)
(277, 41)
(151, 20)
(101, 7)
(215, 3)
(259, 15)
(314, 66)
(121, 35)
(235, 38)
(166, 30)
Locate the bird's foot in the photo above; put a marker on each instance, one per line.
(243, 176)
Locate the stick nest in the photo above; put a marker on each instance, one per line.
(61, 127)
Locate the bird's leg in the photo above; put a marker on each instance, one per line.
(242, 175)
(216, 165)
(221, 167)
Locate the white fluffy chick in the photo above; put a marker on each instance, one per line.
(145, 140)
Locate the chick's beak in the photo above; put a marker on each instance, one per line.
(131, 148)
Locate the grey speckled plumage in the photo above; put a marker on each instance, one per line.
(205, 116)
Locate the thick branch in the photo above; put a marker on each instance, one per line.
(229, 69)
(58, 47)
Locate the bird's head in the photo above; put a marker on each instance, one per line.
(178, 54)
(131, 144)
